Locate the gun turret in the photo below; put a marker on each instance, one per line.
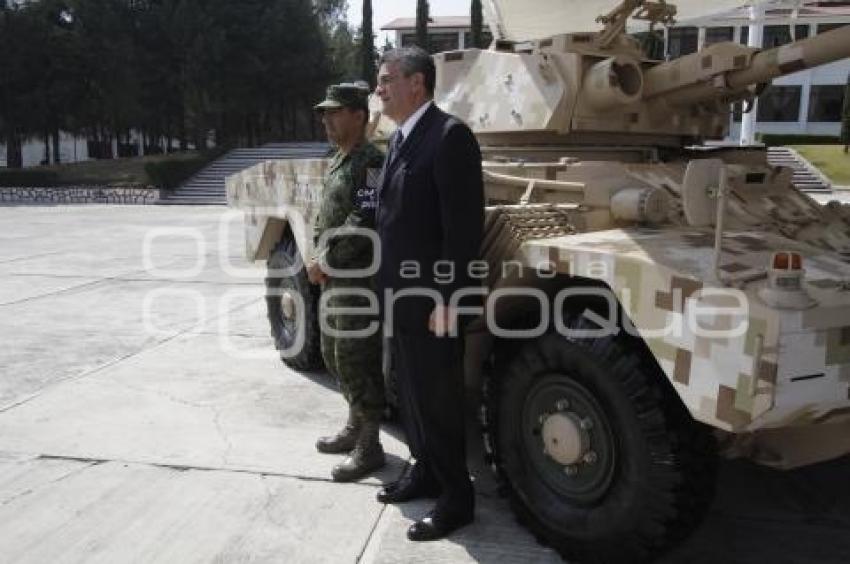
(599, 88)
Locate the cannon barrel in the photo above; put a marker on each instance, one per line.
(812, 52)
(725, 71)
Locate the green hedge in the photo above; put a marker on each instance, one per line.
(29, 178)
(170, 174)
(163, 171)
(774, 140)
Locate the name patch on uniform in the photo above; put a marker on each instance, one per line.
(366, 198)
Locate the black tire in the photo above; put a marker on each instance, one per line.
(285, 256)
(654, 472)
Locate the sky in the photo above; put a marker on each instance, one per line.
(384, 11)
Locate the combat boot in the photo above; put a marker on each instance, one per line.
(367, 456)
(343, 441)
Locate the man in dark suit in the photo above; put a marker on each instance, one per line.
(430, 221)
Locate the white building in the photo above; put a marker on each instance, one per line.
(804, 103)
(447, 33)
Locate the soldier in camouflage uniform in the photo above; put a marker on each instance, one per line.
(348, 201)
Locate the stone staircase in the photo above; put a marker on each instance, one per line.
(207, 186)
(806, 176)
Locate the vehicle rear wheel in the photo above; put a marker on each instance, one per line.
(291, 302)
(600, 459)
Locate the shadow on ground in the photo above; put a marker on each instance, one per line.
(766, 515)
(759, 515)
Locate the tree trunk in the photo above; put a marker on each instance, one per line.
(46, 160)
(422, 17)
(168, 136)
(181, 126)
(283, 116)
(56, 156)
(477, 19)
(201, 138)
(311, 115)
(14, 152)
(367, 45)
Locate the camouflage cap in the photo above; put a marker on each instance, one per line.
(353, 95)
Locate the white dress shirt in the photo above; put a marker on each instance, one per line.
(411, 122)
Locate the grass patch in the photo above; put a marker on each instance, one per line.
(131, 172)
(830, 159)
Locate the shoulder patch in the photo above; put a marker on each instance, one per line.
(366, 196)
(372, 177)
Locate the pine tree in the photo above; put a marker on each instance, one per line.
(422, 18)
(477, 25)
(367, 45)
(249, 71)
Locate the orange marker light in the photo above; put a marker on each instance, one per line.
(781, 261)
(796, 261)
(787, 261)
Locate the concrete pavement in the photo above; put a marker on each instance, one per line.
(145, 417)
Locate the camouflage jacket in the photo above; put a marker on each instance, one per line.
(348, 201)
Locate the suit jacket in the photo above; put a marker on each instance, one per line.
(430, 209)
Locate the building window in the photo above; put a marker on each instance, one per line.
(652, 45)
(825, 103)
(443, 41)
(737, 111)
(718, 34)
(682, 41)
(775, 36)
(778, 35)
(829, 26)
(486, 39)
(408, 39)
(779, 103)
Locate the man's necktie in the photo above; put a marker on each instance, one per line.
(395, 145)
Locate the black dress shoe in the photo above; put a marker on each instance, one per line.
(408, 489)
(436, 526)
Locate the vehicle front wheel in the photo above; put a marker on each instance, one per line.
(292, 302)
(601, 461)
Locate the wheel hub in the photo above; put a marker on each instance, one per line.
(568, 439)
(564, 441)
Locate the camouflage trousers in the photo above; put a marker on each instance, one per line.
(354, 361)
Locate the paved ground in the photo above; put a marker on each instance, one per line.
(144, 417)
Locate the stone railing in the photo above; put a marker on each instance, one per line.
(79, 195)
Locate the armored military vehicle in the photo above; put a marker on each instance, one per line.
(654, 301)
